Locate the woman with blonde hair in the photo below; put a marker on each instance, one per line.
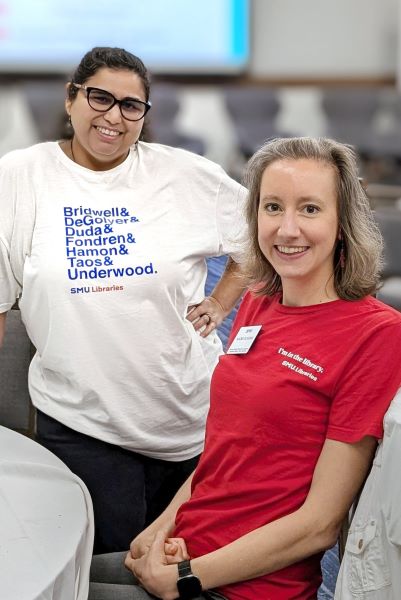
(297, 403)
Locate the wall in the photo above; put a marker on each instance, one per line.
(324, 39)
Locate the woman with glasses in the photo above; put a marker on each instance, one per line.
(103, 239)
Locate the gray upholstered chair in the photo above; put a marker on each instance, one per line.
(253, 111)
(162, 121)
(45, 100)
(16, 410)
(389, 221)
(350, 114)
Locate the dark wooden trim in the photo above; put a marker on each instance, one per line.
(247, 79)
(321, 81)
(237, 79)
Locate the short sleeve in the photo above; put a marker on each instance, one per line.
(231, 221)
(367, 385)
(16, 227)
(9, 287)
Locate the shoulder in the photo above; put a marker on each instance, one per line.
(251, 311)
(377, 312)
(154, 151)
(23, 158)
(180, 161)
(253, 306)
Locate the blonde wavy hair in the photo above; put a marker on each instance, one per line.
(361, 238)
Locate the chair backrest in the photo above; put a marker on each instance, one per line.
(389, 221)
(165, 102)
(350, 114)
(162, 125)
(254, 112)
(16, 410)
(45, 100)
(251, 102)
(162, 118)
(347, 104)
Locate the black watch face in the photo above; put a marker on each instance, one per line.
(189, 587)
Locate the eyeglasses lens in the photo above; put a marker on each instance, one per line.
(101, 101)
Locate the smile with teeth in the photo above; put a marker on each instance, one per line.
(291, 249)
(110, 132)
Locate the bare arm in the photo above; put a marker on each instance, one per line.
(338, 475)
(214, 308)
(2, 327)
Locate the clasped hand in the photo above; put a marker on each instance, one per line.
(152, 562)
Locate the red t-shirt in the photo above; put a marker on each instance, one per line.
(329, 370)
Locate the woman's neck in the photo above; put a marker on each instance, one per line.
(87, 161)
(295, 294)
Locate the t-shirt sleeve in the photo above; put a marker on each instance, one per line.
(367, 386)
(230, 214)
(9, 286)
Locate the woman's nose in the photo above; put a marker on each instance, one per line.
(113, 115)
(289, 226)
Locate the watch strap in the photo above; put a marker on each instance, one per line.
(184, 568)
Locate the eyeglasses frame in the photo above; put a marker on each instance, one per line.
(88, 90)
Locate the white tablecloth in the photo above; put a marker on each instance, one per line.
(46, 524)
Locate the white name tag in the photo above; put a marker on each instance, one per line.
(244, 339)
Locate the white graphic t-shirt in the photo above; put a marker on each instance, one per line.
(106, 264)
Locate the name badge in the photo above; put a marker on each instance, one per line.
(244, 339)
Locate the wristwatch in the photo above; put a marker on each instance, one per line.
(189, 586)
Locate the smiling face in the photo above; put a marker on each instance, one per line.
(102, 139)
(298, 227)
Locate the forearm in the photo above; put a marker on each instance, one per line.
(262, 551)
(230, 287)
(338, 475)
(213, 309)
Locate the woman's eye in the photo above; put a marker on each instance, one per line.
(100, 98)
(132, 106)
(310, 209)
(271, 207)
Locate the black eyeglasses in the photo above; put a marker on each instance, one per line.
(102, 101)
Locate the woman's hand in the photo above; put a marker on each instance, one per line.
(175, 550)
(164, 523)
(141, 543)
(207, 315)
(153, 571)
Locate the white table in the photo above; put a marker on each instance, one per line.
(46, 524)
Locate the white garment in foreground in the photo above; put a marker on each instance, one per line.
(371, 567)
(46, 524)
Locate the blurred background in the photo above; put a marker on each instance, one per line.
(227, 75)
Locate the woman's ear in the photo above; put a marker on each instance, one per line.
(67, 103)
